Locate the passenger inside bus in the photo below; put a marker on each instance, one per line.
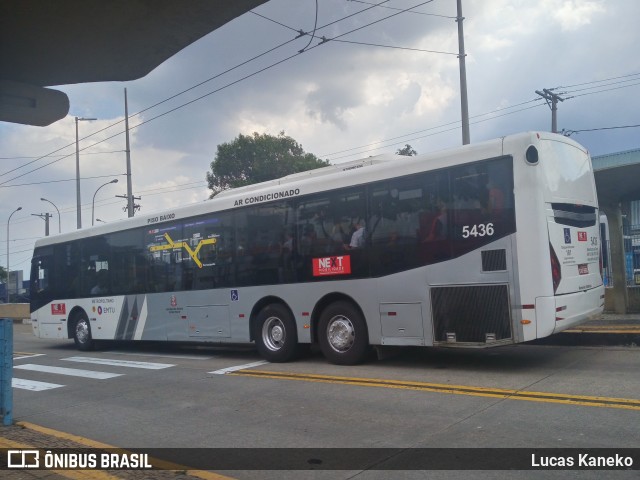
(358, 236)
(102, 286)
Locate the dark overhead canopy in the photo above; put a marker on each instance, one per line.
(618, 184)
(60, 42)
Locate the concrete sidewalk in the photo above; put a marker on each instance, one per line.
(607, 330)
(611, 322)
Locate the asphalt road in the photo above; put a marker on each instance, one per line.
(172, 397)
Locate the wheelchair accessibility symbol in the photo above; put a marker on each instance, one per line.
(235, 296)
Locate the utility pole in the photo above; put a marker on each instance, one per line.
(45, 217)
(466, 138)
(552, 100)
(130, 205)
(78, 210)
(131, 198)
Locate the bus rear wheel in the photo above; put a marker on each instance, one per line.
(82, 333)
(342, 334)
(276, 335)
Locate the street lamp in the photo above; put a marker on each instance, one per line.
(16, 210)
(79, 215)
(93, 203)
(54, 206)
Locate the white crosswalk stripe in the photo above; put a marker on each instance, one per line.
(39, 386)
(74, 372)
(120, 363)
(33, 385)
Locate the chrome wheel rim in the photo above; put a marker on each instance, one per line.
(273, 334)
(82, 331)
(341, 333)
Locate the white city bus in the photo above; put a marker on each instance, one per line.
(484, 245)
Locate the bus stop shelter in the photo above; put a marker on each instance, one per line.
(617, 182)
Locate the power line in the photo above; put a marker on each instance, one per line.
(603, 85)
(605, 90)
(456, 123)
(223, 87)
(315, 25)
(596, 81)
(324, 39)
(60, 181)
(51, 156)
(393, 8)
(176, 95)
(433, 128)
(568, 133)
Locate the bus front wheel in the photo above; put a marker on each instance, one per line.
(342, 334)
(82, 333)
(276, 334)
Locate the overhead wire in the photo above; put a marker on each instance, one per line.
(395, 8)
(315, 25)
(178, 94)
(337, 38)
(224, 86)
(435, 127)
(602, 91)
(62, 180)
(595, 81)
(568, 133)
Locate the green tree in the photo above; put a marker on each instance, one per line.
(257, 158)
(3, 275)
(407, 150)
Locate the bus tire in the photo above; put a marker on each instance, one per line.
(342, 334)
(276, 334)
(82, 333)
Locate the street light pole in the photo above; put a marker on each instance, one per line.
(16, 210)
(54, 206)
(78, 213)
(93, 203)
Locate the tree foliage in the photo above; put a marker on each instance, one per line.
(407, 150)
(3, 275)
(257, 158)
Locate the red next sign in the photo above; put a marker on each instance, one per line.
(340, 265)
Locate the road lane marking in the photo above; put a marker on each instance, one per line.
(23, 355)
(224, 371)
(619, 329)
(33, 385)
(73, 372)
(161, 355)
(589, 401)
(120, 363)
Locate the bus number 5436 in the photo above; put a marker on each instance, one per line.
(480, 230)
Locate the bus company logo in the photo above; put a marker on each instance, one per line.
(173, 301)
(58, 309)
(23, 459)
(332, 266)
(567, 235)
(582, 236)
(103, 310)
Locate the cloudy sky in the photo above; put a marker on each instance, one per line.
(345, 99)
